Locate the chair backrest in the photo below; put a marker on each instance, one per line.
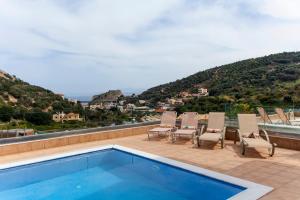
(248, 124)
(282, 116)
(291, 114)
(216, 120)
(168, 118)
(264, 115)
(189, 120)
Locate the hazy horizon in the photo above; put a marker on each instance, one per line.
(83, 48)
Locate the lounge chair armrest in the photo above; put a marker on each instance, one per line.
(196, 133)
(174, 128)
(266, 135)
(240, 135)
(224, 132)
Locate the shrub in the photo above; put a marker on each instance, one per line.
(6, 113)
(38, 118)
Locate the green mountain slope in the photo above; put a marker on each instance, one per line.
(269, 80)
(21, 95)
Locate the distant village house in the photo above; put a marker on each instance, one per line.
(96, 106)
(203, 91)
(184, 94)
(61, 117)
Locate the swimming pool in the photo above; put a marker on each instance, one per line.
(114, 172)
(281, 128)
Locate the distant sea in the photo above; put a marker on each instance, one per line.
(81, 98)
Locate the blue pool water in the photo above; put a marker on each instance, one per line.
(108, 175)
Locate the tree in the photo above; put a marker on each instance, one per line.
(6, 113)
(38, 118)
(288, 100)
(19, 113)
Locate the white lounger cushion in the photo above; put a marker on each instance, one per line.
(160, 129)
(214, 137)
(256, 142)
(185, 132)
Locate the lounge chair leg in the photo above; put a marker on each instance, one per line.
(243, 148)
(199, 143)
(196, 141)
(272, 150)
(173, 138)
(235, 138)
(222, 143)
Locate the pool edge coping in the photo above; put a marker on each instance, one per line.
(252, 191)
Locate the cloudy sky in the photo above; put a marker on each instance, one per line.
(83, 47)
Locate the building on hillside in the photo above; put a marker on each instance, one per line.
(109, 105)
(121, 109)
(84, 105)
(175, 102)
(75, 101)
(97, 106)
(201, 92)
(179, 102)
(61, 117)
(166, 106)
(142, 102)
(73, 117)
(163, 108)
(130, 107)
(122, 102)
(104, 105)
(163, 104)
(184, 94)
(58, 117)
(142, 108)
(171, 101)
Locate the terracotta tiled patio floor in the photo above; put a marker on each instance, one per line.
(282, 172)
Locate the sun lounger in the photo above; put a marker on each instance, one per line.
(167, 124)
(249, 134)
(285, 119)
(215, 131)
(282, 116)
(264, 115)
(189, 126)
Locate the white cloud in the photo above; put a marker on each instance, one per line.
(285, 9)
(80, 47)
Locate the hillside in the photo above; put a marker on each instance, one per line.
(21, 95)
(111, 95)
(269, 80)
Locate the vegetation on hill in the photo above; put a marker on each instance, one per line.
(21, 101)
(272, 80)
(27, 106)
(101, 117)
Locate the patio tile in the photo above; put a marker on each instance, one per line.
(282, 172)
